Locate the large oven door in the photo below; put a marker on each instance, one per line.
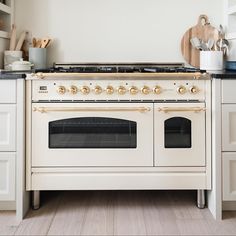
(92, 134)
(179, 134)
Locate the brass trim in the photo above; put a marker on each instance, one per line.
(181, 109)
(114, 76)
(91, 109)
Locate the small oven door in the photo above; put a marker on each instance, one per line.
(92, 134)
(179, 134)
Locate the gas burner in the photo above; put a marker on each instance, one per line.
(120, 68)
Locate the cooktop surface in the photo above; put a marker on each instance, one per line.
(120, 68)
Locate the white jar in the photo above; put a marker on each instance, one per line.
(21, 65)
(211, 60)
(10, 57)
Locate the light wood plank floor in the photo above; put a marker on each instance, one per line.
(119, 213)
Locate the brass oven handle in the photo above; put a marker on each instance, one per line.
(181, 109)
(90, 109)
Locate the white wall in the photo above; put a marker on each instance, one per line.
(114, 30)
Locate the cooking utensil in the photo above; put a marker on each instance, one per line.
(38, 43)
(13, 38)
(34, 42)
(44, 42)
(203, 45)
(196, 43)
(203, 31)
(222, 45)
(20, 41)
(221, 32)
(210, 44)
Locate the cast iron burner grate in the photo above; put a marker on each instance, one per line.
(119, 68)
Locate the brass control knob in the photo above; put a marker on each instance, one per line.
(110, 90)
(145, 90)
(133, 90)
(121, 90)
(61, 90)
(73, 89)
(85, 90)
(97, 90)
(181, 90)
(193, 90)
(157, 90)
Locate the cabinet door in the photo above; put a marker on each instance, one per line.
(229, 176)
(7, 176)
(7, 127)
(229, 127)
(8, 94)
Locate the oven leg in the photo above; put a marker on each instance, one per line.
(201, 198)
(36, 200)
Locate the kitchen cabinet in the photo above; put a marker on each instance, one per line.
(230, 18)
(12, 147)
(229, 176)
(229, 127)
(8, 127)
(7, 140)
(228, 108)
(6, 17)
(7, 176)
(223, 194)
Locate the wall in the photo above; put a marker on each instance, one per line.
(114, 30)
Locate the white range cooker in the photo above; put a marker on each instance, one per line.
(118, 126)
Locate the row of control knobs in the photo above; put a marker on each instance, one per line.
(122, 90)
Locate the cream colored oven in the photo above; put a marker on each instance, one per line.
(111, 131)
(92, 134)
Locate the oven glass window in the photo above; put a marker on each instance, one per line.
(92, 132)
(178, 133)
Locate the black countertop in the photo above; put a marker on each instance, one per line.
(227, 74)
(13, 74)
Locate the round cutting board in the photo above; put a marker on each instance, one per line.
(204, 31)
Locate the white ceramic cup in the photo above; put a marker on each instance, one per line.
(38, 57)
(10, 57)
(211, 60)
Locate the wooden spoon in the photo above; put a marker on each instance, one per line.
(45, 42)
(34, 42)
(38, 43)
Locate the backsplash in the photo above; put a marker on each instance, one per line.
(114, 30)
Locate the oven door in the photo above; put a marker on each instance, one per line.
(179, 134)
(92, 134)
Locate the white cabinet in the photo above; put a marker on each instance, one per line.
(7, 176)
(8, 91)
(8, 119)
(229, 176)
(229, 127)
(228, 143)
(6, 18)
(230, 18)
(7, 127)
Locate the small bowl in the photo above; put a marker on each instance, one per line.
(230, 65)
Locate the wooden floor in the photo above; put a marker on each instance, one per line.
(119, 213)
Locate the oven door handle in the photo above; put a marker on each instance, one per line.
(181, 109)
(91, 109)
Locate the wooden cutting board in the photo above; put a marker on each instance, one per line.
(204, 31)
